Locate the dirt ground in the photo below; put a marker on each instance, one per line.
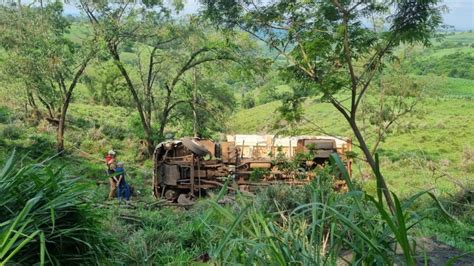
(430, 252)
(436, 253)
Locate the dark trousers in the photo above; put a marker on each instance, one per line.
(122, 189)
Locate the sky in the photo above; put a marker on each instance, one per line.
(460, 15)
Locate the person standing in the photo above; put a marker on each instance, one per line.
(110, 160)
(123, 190)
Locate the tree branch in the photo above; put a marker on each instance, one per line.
(190, 64)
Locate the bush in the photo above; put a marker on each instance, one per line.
(455, 65)
(95, 134)
(12, 132)
(135, 126)
(91, 146)
(114, 132)
(81, 122)
(5, 115)
(40, 145)
(45, 211)
(159, 237)
(284, 198)
(248, 101)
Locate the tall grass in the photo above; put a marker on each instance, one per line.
(165, 236)
(45, 217)
(327, 229)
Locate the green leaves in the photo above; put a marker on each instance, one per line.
(12, 238)
(415, 21)
(44, 218)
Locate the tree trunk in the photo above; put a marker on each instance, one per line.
(193, 105)
(165, 114)
(163, 122)
(363, 146)
(32, 103)
(62, 116)
(195, 122)
(67, 100)
(60, 131)
(371, 161)
(146, 126)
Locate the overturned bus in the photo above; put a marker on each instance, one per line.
(192, 165)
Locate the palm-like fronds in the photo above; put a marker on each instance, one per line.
(45, 216)
(352, 227)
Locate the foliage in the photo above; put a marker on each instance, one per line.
(258, 174)
(151, 237)
(315, 232)
(248, 101)
(49, 209)
(291, 167)
(396, 97)
(106, 85)
(51, 60)
(49, 69)
(11, 132)
(431, 148)
(5, 115)
(113, 131)
(13, 239)
(285, 199)
(172, 68)
(456, 65)
(328, 47)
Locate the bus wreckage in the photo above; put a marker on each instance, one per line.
(191, 166)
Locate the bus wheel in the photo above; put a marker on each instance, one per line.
(171, 195)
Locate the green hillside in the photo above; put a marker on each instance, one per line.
(441, 133)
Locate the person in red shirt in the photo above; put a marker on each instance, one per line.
(110, 160)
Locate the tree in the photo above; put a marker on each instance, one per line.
(395, 95)
(209, 100)
(165, 52)
(49, 64)
(106, 85)
(118, 24)
(329, 48)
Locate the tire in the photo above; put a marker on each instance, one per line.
(195, 147)
(171, 195)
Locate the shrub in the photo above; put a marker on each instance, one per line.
(248, 101)
(284, 198)
(40, 144)
(80, 121)
(135, 126)
(114, 132)
(159, 237)
(46, 127)
(12, 132)
(75, 137)
(5, 115)
(48, 210)
(95, 134)
(90, 146)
